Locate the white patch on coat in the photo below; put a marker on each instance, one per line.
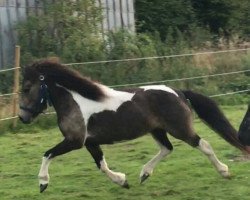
(159, 87)
(111, 101)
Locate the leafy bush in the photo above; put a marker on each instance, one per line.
(70, 31)
(6, 82)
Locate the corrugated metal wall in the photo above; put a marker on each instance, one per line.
(11, 12)
(117, 14)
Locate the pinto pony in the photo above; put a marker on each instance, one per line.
(91, 114)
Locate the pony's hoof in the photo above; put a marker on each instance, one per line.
(126, 185)
(226, 175)
(144, 177)
(43, 187)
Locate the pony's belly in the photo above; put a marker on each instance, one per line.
(126, 123)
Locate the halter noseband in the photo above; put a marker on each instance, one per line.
(43, 98)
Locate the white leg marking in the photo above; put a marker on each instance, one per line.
(205, 148)
(116, 177)
(149, 166)
(43, 175)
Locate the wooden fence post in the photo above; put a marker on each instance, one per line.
(16, 84)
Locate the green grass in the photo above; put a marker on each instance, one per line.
(185, 175)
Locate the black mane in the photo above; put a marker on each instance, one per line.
(59, 74)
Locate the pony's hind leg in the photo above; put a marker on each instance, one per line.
(205, 148)
(165, 148)
(97, 154)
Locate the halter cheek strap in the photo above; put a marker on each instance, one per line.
(44, 95)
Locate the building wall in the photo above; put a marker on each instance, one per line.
(116, 13)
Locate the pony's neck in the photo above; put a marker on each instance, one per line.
(83, 86)
(71, 80)
(61, 99)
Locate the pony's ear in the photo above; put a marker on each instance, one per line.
(24, 69)
(53, 59)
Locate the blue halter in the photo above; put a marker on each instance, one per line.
(44, 95)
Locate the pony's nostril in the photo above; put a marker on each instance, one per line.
(20, 118)
(24, 120)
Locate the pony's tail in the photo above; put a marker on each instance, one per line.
(209, 112)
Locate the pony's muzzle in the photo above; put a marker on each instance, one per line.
(24, 120)
(25, 117)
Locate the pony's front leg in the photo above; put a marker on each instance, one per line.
(43, 175)
(61, 148)
(97, 154)
(165, 148)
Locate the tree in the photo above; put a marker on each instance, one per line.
(225, 17)
(217, 14)
(158, 15)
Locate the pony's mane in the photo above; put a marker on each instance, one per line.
(68, 78)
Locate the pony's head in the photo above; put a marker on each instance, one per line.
(244, 130)
(34, 94)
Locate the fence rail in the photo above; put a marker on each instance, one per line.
(9, 94)
(147, 58)
(180, 79)
(17, 67)
(212, 96)
(159, 57)
(163, 81)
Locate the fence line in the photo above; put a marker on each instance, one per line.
(158, 57)
(163, 81)
(180, 79)
(17, 7)
(229, 93)
(148, 58)
(153, 82)
(5, 119)
(9, 94)
(212, 96)
(10, 69)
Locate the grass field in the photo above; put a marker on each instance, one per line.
(185, 175)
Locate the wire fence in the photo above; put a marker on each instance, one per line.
(180, 79)
(10, 69)
(9, 94)
(146, 58)
(165, 81)
(212, 96)
(153, 82)
(158, 57)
